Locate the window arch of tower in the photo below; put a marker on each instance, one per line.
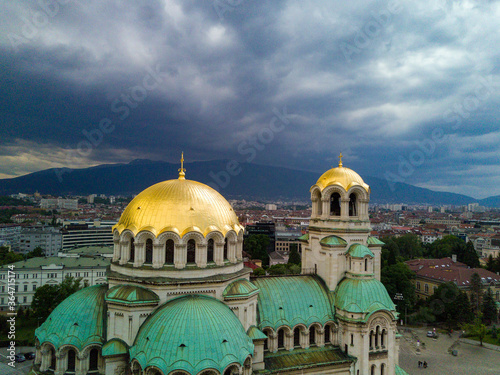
(378, 337)
(334, 195)
(300, 336)
(317, 202)
(68, 359)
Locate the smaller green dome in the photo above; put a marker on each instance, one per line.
(79, 320)
(114, 347)
(131, 294)
(362, 296)
(240, 288)
(191, 333)
(359, 251)
(333, 241)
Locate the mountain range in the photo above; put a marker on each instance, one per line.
(233, 180)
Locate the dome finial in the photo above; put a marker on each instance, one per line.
(182, 170)
(340, 160)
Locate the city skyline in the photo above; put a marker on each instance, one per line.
(407, 92)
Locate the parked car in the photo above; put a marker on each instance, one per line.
(432, 334)
(29, 355)
(19, 357)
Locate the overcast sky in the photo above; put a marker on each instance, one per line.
(407, 92)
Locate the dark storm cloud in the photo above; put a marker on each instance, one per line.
(373, 80)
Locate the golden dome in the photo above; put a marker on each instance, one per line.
(179, 206)
(341, 176)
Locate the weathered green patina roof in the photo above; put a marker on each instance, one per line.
(304, 237)
(79, 320)
(240, 288)
(333, 241)
(114, 347)
(374, 241)
(256, 334)
(66, 262)
(359, 251)
(362, 296)
(299, 359)
(131, 294)
(191, 333)
(291, 300)
(400, 371)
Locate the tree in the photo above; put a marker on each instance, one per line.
(36, 253)
(469, 256)
(7, 256)
(489, 308)
(477, 328)
(397, 279)
(259, 272)
(48, 297)
(256, 245)
(294, 256)
(451, 305)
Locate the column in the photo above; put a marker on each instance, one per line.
(231, 251)
(82, 363)
(201, 255)
(344, 208)
(272, 342)
(158, 255)
(288, 340)
(140, 252)
(304, 339)
(219, 253)
(180, 255)
(125, 252)
(61, 364)
(314, 211)
(320, 337)
(326, 209)
(116, 250)
(45, 360)
(239, 250)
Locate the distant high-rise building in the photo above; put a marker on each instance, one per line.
(59, 203)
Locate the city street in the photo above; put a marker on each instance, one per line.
(21, 368)
(471, 359)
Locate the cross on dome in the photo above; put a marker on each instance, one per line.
(340, 160)
(182, 170)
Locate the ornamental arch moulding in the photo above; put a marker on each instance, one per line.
(165, 236)
(196, 236)
(144, 235)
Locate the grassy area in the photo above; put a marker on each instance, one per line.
(488, 339)
(25, 332)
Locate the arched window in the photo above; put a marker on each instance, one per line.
(312, 336)
(327, 334)
(371, 339)
(318, 203)
(149, 251)
(382, 369)
(296, 337)
(352, 339)
(225, 249)
(382, 338)
(191, 251)
(52, 359)
(210, 250)
(335, 204)
(366, 264)
(71, 361)
(93, 360)
(266, 341)
(169, 252)
(281, 338)
(372, 372)
(353, 205)
(377, 333)
(132, 250)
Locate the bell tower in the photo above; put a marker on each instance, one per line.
(339, 219)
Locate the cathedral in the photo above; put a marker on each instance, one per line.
(179, 300)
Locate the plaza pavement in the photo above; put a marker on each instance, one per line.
(471, 359)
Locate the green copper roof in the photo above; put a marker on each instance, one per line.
(65, 262)
(362, 296)
(291, 300)
(79, 320)
(131, 294)
(360, 251)
(400, 371)
(374, 241)
(299, 359)
(191, 333)
(256, 334)
(304, 237)
(333, 241)
(114, 347)
(240, 288)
